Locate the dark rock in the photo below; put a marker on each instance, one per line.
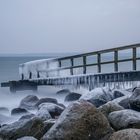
(125, 103)
(109, 107)
(63, 91)
(124, 119)
(135, 100)
(118, 93)
(19, 111)
(28, 116)
(29, 102)
(53, 109)
(46, 100)
(31, 127)
(4, 110)
(79, 121)
(27, 138)
(98, 96)
(127, 134)
(72, 96)
(43, 113)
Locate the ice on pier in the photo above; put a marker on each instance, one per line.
(40, 67)
(47, 72)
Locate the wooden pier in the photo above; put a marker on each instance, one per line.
(84, 77)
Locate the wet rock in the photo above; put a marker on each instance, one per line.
(135, 100)
(118, 93)
(125, 103)
(53, 109)
(72, 96)
(79, 121)
(46, 100)
(31, 127)
(27, 138)
(109, 107)
(98, 96)
(19, 111)
(124, 119)
(29, 102)
(4, 110)
(28, 116)
(127, 134)
(63, 91)
(43, 113)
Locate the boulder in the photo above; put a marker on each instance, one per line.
(54, 109)
(135, 100)
(125, 103)
(63, 91)
(109, 107)
(27, 138)
(27, 127)
(118, 93)
(28, 116)
(126, 134)
(72, 96)
(43, 113)
(29, 102)
(4, 110)
(124, 119)
(98, 96)
(79, 121)
(46, 100)
(19, 111)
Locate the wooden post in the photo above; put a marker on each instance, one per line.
(99, 62)
(116, 60)
(30, 75)
(38, 75)
(59, 66)
(72, 64)
(134, 59)
(84, 64)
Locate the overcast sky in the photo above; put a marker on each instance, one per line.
(42, 26)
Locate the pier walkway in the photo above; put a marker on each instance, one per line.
(90, 70)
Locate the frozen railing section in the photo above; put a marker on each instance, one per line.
(119, 80)
(38, 69)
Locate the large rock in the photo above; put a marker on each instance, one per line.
(135, 100)
(127, 134)
(124, 119)
(63, 91)
(29, 102)
(27, 138)
(32, 127)
(109, 107)
(118, 93)
(19, 111)
(43, 113)
(72, 96)
(54, 109)
(98, 96)
(46, 100)
(79, 121)
(125, 103)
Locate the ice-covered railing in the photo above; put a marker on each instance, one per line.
(126, 58)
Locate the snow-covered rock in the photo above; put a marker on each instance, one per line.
(98, 96)
(27, 138)
(72, 96)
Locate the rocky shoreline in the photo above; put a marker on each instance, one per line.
(101, 114)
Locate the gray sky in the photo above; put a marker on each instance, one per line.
(42, 26)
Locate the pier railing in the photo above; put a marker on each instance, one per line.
(133, 52)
